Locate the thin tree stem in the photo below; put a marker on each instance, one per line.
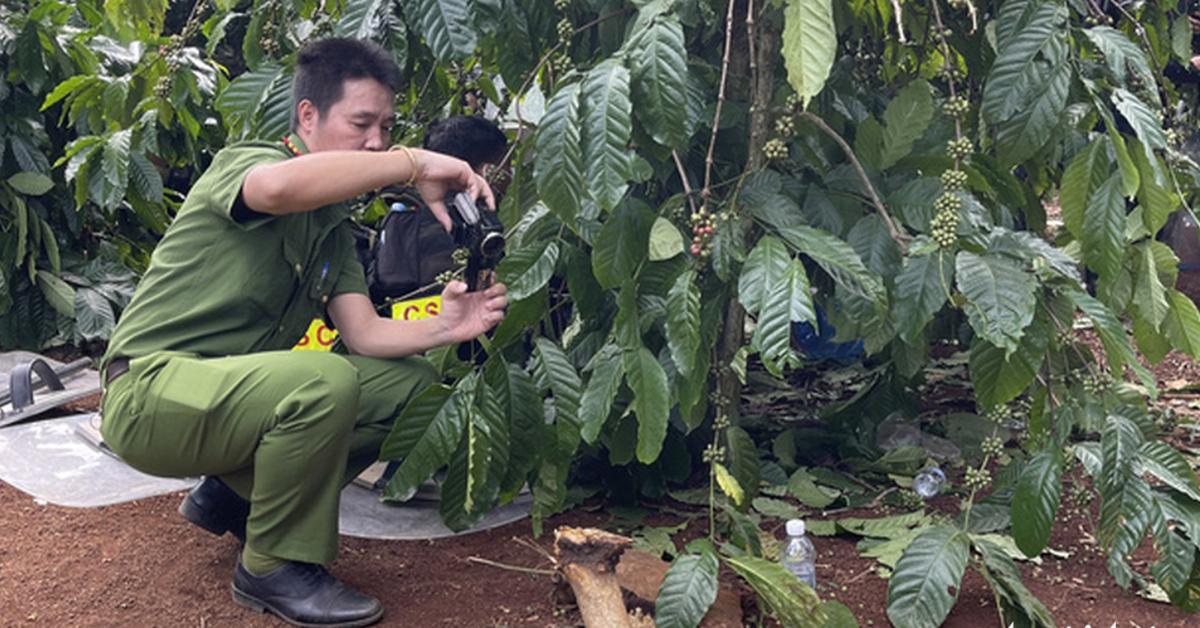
(683, 177)
(712, 141)
(900, 239)
(492, 563)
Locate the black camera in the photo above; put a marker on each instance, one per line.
(476, 229)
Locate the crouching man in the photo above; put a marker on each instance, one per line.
(198, 377)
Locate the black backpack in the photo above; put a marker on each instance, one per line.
(406, 252)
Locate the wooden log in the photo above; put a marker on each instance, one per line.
(587, 559)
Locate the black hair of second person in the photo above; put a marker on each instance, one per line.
(472, 139)
(324, 65)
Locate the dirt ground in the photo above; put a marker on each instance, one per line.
(140, 565)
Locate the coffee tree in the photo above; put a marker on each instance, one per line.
(691, 178)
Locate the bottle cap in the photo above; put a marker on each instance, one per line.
(795, 527)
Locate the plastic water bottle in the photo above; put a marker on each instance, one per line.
(929, 482)
(799, 556)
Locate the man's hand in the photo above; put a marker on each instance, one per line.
(440, 175)
(465, 315)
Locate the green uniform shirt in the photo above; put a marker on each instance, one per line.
(216, 287)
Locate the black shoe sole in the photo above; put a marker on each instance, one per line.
(255, 604)
(204, 520)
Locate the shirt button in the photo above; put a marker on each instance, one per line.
(324, 298)
(299, 269)
(281, 328)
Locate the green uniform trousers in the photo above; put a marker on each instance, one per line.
(286, 429)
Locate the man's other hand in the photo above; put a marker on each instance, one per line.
(467, 315)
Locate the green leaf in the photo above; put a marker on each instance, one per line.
(1001, 297)
(425, 435)
(1014, 597)
(147, 181)
(665, 240)
(868, 143)
(363, 19)
(1187, 596)
(743, 460)
(473, 479)
(659, 79)
(558, 169)
(838, 615)
(921, 290)
(114, 98)
(1122, 55)
(926, 581)
(31, 183)
(1103, 235)
(607, 127)
(116, 167)
(1008, 88)
(29, 157)
(1155, 199)
(1173, 571)
(1150, 342)
(809, 45)
(520, 402)
(1035, 501)
(785, 597)
(57, 292)
(445, 26)
(803, 488)
(67, 88)
(1149, 294)
(688, 590)
(1168, 465)
(999, 376)
(774, 288)
(1182, 325)
(565, 385)
(1119, 444)
(1145, 124)
(623, 243)
(94, 316)
(536, 276)
(241, 101)
(1019, 137)
(838, 259)
(1112, 335)
(905, 121)
(651, 401)
(683, 322)
(1131, 178)
(893, 527)
(627, 324)
(602, 389)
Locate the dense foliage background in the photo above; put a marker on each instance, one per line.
(692, 178)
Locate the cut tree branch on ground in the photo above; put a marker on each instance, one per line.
(587, 559)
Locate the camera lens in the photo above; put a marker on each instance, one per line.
(492, 245)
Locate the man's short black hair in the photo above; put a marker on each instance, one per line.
(472, 139)
(323, 66)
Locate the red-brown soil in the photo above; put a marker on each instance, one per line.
(139, 565)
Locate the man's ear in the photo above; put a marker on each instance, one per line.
(307, 115)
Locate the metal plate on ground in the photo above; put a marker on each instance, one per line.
(78, 379)
(363, 515)
(49, 460)
(56, 462)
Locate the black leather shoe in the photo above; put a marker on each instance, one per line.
(304, 594)
(216, 508)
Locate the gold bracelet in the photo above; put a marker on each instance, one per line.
(412, 159)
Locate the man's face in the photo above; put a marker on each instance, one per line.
(361, 120)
